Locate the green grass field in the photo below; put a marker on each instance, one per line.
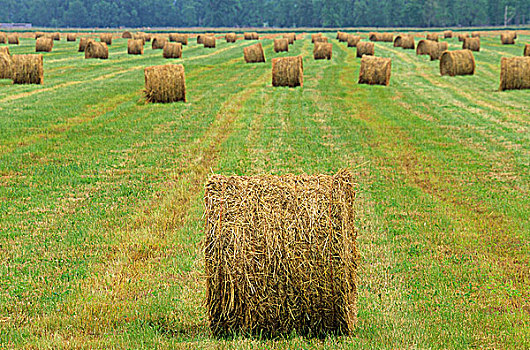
(101, 194)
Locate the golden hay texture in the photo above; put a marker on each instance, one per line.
(375, 70)
(281, 45)
(135, 47)
(436, 52)
(405, 41)
(320, 39)
(432, 36)
(27, 69)
(71, 37)
(5, 49)
(475, 34)
(448, 34)
(96, 49)
(365, 48)
(165, 84)
(315, 36)
(459, 62)
(281, 255)
(462, 36)
(251, 36)
(472, 44)
(352, 40)
(139, 37)
(158, 42)
(425, 47)
(291, 38)
(508, 38)
(3, 38)
(39, 35)
(6, 65)
(83, 42)
(126, 35)
(209, 42)
(342, 37)
(526, 51)
(55, 36)
(322, 51)
(12, 39)
(179, 38)
(231, 37)
(172, 50)
(254, 53)
(288, 71)
(200, 38)
(44, 44)
(384, 37)
(515, 73)
(106, 38)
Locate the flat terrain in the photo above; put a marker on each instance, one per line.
(101, 194)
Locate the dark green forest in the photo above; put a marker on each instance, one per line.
(274, 13)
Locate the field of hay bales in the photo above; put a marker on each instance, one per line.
(102, 215)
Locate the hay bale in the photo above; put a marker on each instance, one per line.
(55, 36)
(39, 35)
(281, 255)
(251, 36)
(425, 47)
(432, 36)
(315, 36)
(96, 49)
(6, 65)
(83, 42)
(436, 52)
(139, 37)
(342, 37)
(462, 37)
(172, 50)
(288, 71)
(365, 48)
(321, 39)
(375, 70)
(146, 36)
(352, 40)
(254, 53)
(231, 37)
(526, 51)
(135, 47)
(291, 38)
(200, 39)
(281, 45)
(179, 38)
(3, 38)
(165, 84)
(448, 34)
(515, 73)
(127, 35)
(475, 34)
(28, 69)
(459, 62)
(44, 44)
(106, 38)
(12, 39)
(158, 42)
(71, 37)
(209, 42)
(472, 44)
(383, 37)
(508, 38)
(405, 41)
(322, 51)
(5, 49)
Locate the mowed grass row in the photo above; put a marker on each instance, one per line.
(101, 194)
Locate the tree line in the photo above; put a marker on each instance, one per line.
(259, 13)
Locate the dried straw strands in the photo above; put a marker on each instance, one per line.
(281, 45)
(322, 51)
(320, 39)
(288, 71)
(165, 84)
(425, 47)
(135, 47)
(12, 39)
(251, 36)
(5, 49)
(460, 62)
(179, 38)
(365, 48)
(291, 38)
(106, 38)
(448, 34)
(472, 44)
(96, 49)
(6, 64)
(432, 36)
(254, 53)
(342, 37)
(352, 40)
(158, 42)
(27, 69)
(526, 51)
(515, 73)
(436, 52)
(231, 37)
(209, 42)
(315, 36)
(375, 70)
(55, 36)
(71, 37)
(44, 44)
(405, 41)
(281, 255)
(172, 50)
(508, 38)
(83, 42)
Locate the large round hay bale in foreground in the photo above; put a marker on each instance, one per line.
(135, 47)
(322, 51)
(460, 62)
(405, 41)
(281, 45)
(158, 42)
(165, 84)
(526, 51)
(231, 37)
(71, 37)
(425, 47)
(6, 65)
(251, 36)
(83, 42)
(352, 40)
(44, 44)
(254, 53)
(288, 71)
(432, 36)
(281, 255)
(375, 70)
(472, 44)
(448, 34)
(127, 35)
(106, 38)
(28, 69)
(12, 39)
(515, 73)
(365, 48)
(96, 49)
(179, 38)
(508, 38)
(3, 38)
(209, 42)
(172, 50)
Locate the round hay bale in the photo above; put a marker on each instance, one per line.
(432, 36)
(342, 37)
(288, 71)
(254, 53)
(322, 51)
(383, 37)
(3, 38)
(6, 65)
(165, 84)
(526, 51)
(291, 38)
(448, 34)
(472, 44)
(179, 38)
(172, 50)
(209, 42)
(352, 40)
(508, 38)
(12, 39)
(158, 42)
(139, 37)
(231, 37)
(365, 48)
(55, 36)
(200, 38)
(459, 62)
(436, 52)
(83, 42)
(147, 37)
(462, 37)
(281, 45)
(515, 73)
(425, 47)
(475, 34)
(135, 46)
(375, 70)
(321, 39)
(281, 255)
(39, 35)
(44, 44)
(251, 36)
(71, 37)
(126, 35)
(96, 49)
(28, 69)
(405, 41)
(106, 38)
(315, 36)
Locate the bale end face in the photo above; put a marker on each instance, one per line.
(28, 69)
(515, 73)
(375, 70)
(158, 43)
(165, 84)
(288, 71)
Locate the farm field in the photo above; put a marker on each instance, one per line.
(101, 193)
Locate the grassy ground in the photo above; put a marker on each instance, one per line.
(101, 194)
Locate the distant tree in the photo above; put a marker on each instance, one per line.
(76, 15)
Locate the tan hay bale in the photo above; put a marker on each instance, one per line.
(135, 46)
(365, 48)
(3, 38)
(321, 39)
(6, 65)
(147, 37)
(436, 52)
(106, 38)
(254, 53)
(28, 69)
(96, 49)
(71, 37)
(209, 42)
(231, 37)
(448, 34)
(342, 36)
(475, 34)
(515, 73)
(5, 49)
(375, 70)
(508, 38)
(291, 38)
(251, 36)
(127, 35)
(44, 44)
(158, 42)
(405, 41)
(55, 36)
(526, 50)
(12, 39)
(281, 45)
(432, 36)
(383, 37)
(315, 36)
(139, 37)
(165, 84)
(281, 255)
(288, 71)
(352, 40)
(459, 62)
(462, 36)
(39, 35)
(83, 42)
(179, 38)
(172, 50)
(425, 47)
(472, 44)
(322, 51)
